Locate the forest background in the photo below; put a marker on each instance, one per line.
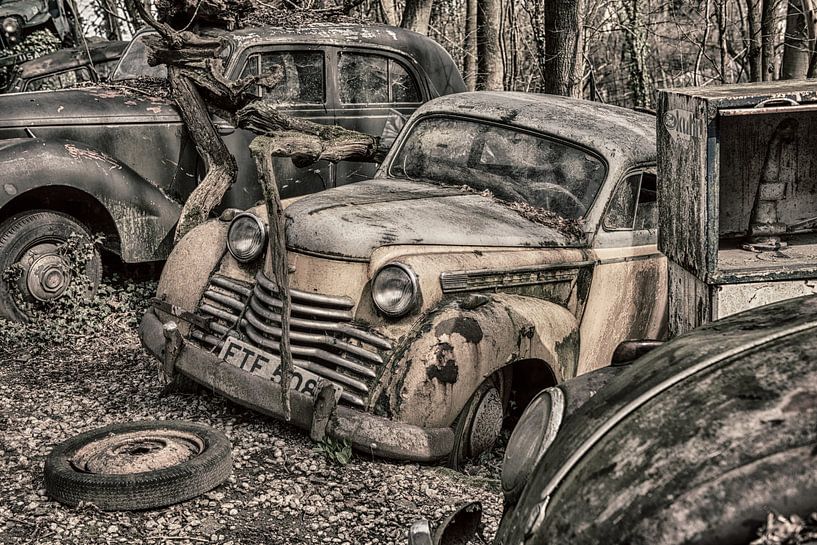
(615, 51)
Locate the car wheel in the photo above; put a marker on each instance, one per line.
(32, 241)
(138, 465)
(480, 422)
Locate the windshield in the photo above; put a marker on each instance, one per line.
(515, 166)
(134, 63)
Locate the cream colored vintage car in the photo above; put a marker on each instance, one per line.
(507, 243)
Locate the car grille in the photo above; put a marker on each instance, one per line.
(322, 337)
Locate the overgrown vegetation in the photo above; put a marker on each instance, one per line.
(793, 530)
(335, 450)
(118, 303)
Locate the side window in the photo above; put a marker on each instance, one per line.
(372, 79)
(634, 205)
(290, 77)
(61, 80)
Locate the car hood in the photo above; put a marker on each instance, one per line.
(83, 106)
(353, 221)
(652, 456)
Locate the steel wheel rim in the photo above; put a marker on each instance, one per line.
(137, 452)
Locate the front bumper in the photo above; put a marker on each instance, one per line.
(368, 433)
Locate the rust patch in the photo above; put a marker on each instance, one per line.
(446, 370)
(465, 326)
(80, 153)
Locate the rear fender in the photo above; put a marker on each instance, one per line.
(459, 345)
(144, 216)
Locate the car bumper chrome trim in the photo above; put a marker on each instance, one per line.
(368, 433)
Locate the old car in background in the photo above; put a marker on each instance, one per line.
(20, 18)
(695, 442)
(507, 244)
(67, 67)
(118, 161)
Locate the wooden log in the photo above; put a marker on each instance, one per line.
(221, 165)
(262, 149)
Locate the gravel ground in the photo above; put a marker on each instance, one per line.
(87, 371)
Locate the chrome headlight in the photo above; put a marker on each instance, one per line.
(246, 237)
(395, 290)
(11, 27)
(530, 440)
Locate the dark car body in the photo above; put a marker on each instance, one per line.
(67, 67)
(696, 442)
(121, 162)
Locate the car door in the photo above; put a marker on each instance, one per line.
(628, 293)
(376, 92)
(298, 83)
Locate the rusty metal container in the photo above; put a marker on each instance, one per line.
(737, 197)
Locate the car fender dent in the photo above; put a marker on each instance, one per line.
(457, 348)
(188, 269)
(144, 216)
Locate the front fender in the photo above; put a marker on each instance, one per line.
(457, 347)
(145, 217)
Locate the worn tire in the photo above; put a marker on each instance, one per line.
(466, 426)
(23, 231)
(144, 490)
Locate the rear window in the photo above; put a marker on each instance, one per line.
(374, 79)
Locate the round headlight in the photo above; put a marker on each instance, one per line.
(246, 237)
(395, 290)
(11, 25)
(530, 440)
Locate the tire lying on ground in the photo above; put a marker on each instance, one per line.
(138, 465)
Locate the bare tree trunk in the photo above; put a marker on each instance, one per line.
(635, 43)
(417, 15)
(389, 11)
(797, 43)
(470, 45)
(722, 42)
(221, 165)
(767, 39)
(564, 44)
(490, 76)
(753, 45)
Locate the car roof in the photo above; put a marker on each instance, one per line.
(617, 134)
(430, 56)
(681, 362)
(65, 59)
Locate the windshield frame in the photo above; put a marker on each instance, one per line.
(409, 129)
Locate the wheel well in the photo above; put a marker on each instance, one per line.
(76, 203)
(537, 374)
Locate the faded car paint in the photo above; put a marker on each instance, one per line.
(496, 296)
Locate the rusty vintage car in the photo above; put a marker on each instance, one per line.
(695, 442)
(507, 244)
(119, 161)
(20, 18)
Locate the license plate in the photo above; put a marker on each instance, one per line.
(263, 364)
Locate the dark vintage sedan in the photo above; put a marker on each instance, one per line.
(118, 161)
(695, 442)
(67, 67)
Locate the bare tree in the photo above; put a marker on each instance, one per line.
(491, 68)
(417, 15)
(564, 47)
(798, 42)
(470, 45)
